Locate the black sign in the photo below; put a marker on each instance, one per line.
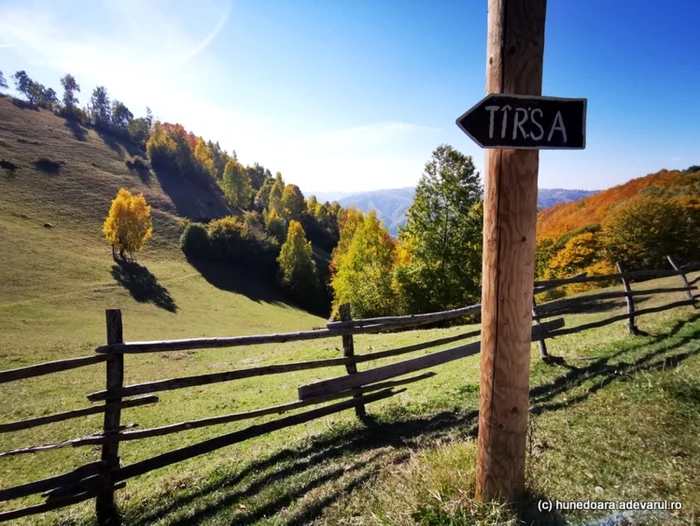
(526, 122)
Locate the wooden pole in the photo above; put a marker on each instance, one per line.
(105, 506)
(629, 299)
(515, 51)
(535, 317)
(349, 352)
(677, 267)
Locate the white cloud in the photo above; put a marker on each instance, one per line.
(143, 53)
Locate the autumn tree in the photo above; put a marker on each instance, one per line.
(205, 158)
(276, 192)
(351, 219)
(236, 184)
(311, 204)
(443, 236)
(297, 268)
(363, 272)
(643, 230)
(274, 225)
(128, 225)
(262, 198)
(292, 203)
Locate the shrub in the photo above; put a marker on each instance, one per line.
(194, 241)
(137, 163)
(230, 239)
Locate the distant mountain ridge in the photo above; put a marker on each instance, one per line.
(391, 204)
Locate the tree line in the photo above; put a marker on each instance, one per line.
(638, 224)
(321, 253)
(434, 264)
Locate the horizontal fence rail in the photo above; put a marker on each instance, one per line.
(326, 387)
(76, 413)
(98, 480)
(49, 367)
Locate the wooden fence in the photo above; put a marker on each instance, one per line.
(352, 390)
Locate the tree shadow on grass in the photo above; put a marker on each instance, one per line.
(231, 278)
(196, 201)
(24, 105)
(142, 285)
(118, 144)
(324, 459)
(79, 131)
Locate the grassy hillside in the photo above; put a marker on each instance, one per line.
(56, 266)
(618, 420)
(564, 217)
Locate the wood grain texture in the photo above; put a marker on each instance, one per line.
(686, 285)
(105, 506)
(536, 319)
(349, 353)
(629, 299)
(515, 50)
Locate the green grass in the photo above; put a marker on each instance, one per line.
(618, 420)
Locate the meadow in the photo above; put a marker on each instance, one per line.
(617, 420)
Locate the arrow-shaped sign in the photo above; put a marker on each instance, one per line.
(526, 122)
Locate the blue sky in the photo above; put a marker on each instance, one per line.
(353, 95)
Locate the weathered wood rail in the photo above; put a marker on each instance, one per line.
(352, 390)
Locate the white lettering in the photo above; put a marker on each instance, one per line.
(491, 110)
(558, 124)
(532, 118)
(504, 109)
(518, 125)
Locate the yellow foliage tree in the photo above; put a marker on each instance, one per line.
(205, 157)
(128, 225)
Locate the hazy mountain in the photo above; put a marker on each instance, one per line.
(547, 197)
(391, 205)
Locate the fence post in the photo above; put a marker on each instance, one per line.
(543, 346)
(630, 300)
(677, 268)
(105, 506)
(349, 352)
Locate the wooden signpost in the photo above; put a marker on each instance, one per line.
(514, 121)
